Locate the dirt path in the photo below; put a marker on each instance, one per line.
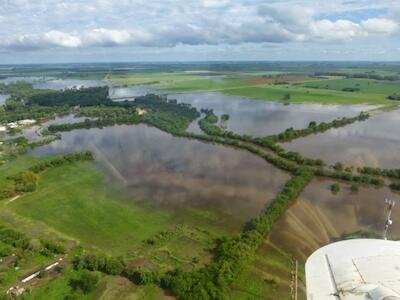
(13, 199)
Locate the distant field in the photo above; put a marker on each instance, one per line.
(379, 87)
(300, 94)
(152, 78)
(299, 88)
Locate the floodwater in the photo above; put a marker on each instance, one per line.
(319, 217)
(33, 133)
(30, 79)
(261, 118)
(61, 84)
(3, 98)
(129, 92)
(170, 172)
(375, 143)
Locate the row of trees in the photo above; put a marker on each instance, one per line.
(291, 133)
(96, 123)
(207, 125)
(360, 75)
(232, 254)
(16, 240)
(393, 173)
(90, 96)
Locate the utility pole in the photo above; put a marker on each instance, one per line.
(294, 279)
(389, 206)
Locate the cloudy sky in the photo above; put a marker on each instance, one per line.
(34, 31)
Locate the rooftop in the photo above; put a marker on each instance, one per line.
(355, 270)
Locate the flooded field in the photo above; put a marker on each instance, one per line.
(127, 93)
(319, 217)
(265, 117)
(30, 79)
(61, 84)
(33, 133)
(3, 99)
(374, 142)
(150, 165)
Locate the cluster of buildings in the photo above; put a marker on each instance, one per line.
(17, 124)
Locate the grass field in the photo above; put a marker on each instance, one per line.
(72, 200)
(258, 86)
(300, 94)
(267, 277)
(152, 78)
(370, 86)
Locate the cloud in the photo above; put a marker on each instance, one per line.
(77, 24)
(380, 26)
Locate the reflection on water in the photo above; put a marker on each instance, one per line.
(176, 172)
(123, 93)
(319, 217)
(375, 143)
(3, 98)
(30, 79)
(260, 118)
(61, 84)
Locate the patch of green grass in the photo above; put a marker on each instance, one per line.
(240, 85)
(267, 277)
(370, 86)
(151, 78)
(73, 200)
(300, 94)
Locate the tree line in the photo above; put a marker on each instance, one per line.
(26, 181)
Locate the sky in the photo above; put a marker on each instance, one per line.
(39, 31)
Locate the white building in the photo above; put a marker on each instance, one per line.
(358, 269)
(12, 125)
(26, 122)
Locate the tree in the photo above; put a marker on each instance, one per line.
(338, 167)
(354, 188)
(335, 188)
(86, 282)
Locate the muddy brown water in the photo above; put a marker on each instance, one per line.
(319, 217)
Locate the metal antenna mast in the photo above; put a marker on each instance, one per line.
(389, 206)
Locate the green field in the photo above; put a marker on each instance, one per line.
(267, 277)
(299, 93)
(324, 91)
(369, 86)
(307, 95)
(72, 200)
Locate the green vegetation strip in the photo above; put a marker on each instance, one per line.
(26, 181)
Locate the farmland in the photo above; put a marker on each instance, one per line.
(155, 210)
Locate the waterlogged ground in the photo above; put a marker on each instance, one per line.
(178, 173)
(261, 118)
(375, 143)
(34, 133)
(3, 99)
(61, 84)
(319, 217)
(227, 186)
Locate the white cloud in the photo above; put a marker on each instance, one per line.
(380, 26)
(62, 39)
(340, 30)
(80, 24)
